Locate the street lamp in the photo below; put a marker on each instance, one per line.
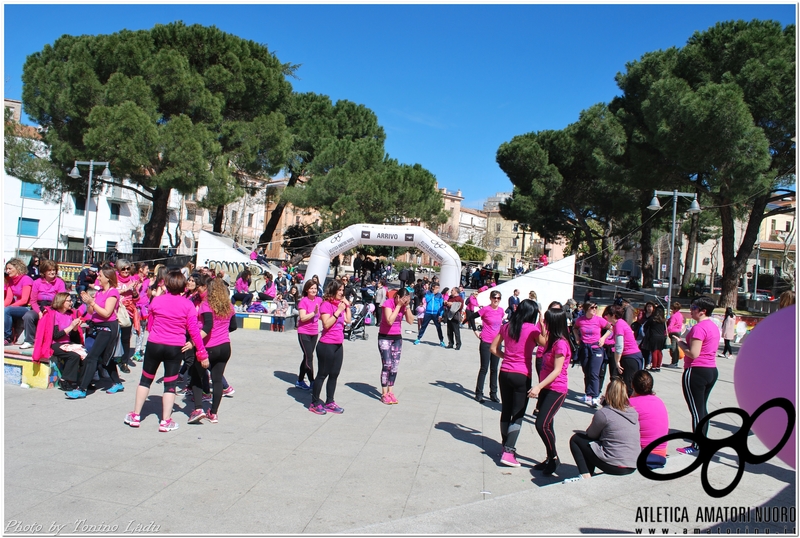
(655, 206)
(524, 228)
(76, 174)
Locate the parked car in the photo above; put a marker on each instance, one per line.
(659, 283)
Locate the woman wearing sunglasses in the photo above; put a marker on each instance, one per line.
(700, 363)
(492, 316)
(591, 332)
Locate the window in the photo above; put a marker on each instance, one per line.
(788, 226)
(31, 190)
(516, 226)
(110, 246)
(144, 213)
(514, 242)
(233, 216)
(80, 206)
(191, 214)
(115, 208)
(772, 225)
(497, 241)
(297, 220)
(29, 227)
(250, 220)
(210, 217)
(498, 227)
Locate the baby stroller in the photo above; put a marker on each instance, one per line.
(357, 327)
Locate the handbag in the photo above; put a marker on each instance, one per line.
(123, 318)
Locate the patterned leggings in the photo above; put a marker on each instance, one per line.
(390, 357)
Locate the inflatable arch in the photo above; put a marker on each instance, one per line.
(377, 234)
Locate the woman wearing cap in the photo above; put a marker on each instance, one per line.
(390, 340)
(492, 316)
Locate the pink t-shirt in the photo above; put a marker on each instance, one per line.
(675, 323)
(310, 326)
(18, 283)
(219, 328)
(518, 354)
(43, 290)
(492, 319)
(708, 332)
(242, 286)
(653, 421)
(62, 321)
(171, 317)
(540, 349)
(560, 383)
(100, 299)
(335, 333)
(629, 345)
(591, 329)
(396, 327)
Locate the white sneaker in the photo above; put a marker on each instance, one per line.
(573, 479)
(596, 403)
(26, 345)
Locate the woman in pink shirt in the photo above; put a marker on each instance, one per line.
(241, 291)
(128, 286)
(520, 335)
(552, 387)
(653, 417)
(67, 333)
(674, 330)
(700, 363)
(171, 317)
(308, 332)
(334, 313)
(390, 340)
(591, 332)
(628, 357)
(216, 312)
(492, 316)
(42, 292)
(102, 312)
(20, 285)
(143, 307)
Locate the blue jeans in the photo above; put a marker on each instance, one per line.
(426, 320)
(12, 313)
(592, 360)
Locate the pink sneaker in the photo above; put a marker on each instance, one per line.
(387, 398)
(393, 397)
(509, 459)
(133, 420)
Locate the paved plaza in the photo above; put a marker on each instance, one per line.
(428, 465)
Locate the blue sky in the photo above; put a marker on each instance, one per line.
(449, 83)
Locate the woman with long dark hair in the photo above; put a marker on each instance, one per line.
(390, 340)
(519, 336)
(335, 314)
(308, 332)
(700, 364)
(728, 331)
(552, 387)
(627, 356)
(655, 338)
(171, 316)
(242, 290)
(102, 311)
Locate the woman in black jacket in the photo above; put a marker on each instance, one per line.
(655, 338)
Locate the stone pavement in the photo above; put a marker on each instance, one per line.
(426, 465)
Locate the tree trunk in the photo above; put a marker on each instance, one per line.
(690, 248)
(277, 213)
(219, 218)
(154, 229)
(647, 249)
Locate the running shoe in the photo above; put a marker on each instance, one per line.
(387, 399)
(196, 416)
(333, 408)
(541, 465)
(137, 357)
(596, 403)
(167, 425)
(688, 450)
(229, 392)
(509, 459)
(133, 420)
(319, 409)
(551, 467)
(76, 394)
(302, 385)
(124, 368)
(442, 344)
(416, 342)
(26, 345)
(394, 398)
(115, 388)
(207, 397)
(212, 417)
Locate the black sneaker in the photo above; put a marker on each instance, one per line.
(124, 368)
(551, 467)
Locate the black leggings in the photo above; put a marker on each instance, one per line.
(587, 460)
(307, 344)
(102, 349)
(549, 403)
(218, 357)
(246, 298)
(728, 348)
(697, 384)
(154, 355)
(68, 363)
(488, 362)
(329, 359)
(514, 389)
(125, 334)
(630, 365)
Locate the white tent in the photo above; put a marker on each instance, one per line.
(553, 282)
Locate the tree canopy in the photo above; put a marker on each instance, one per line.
(172, 107)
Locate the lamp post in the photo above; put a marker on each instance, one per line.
(75, 173)
(655, 206)
(524, 228)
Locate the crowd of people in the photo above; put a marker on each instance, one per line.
(182, 318)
